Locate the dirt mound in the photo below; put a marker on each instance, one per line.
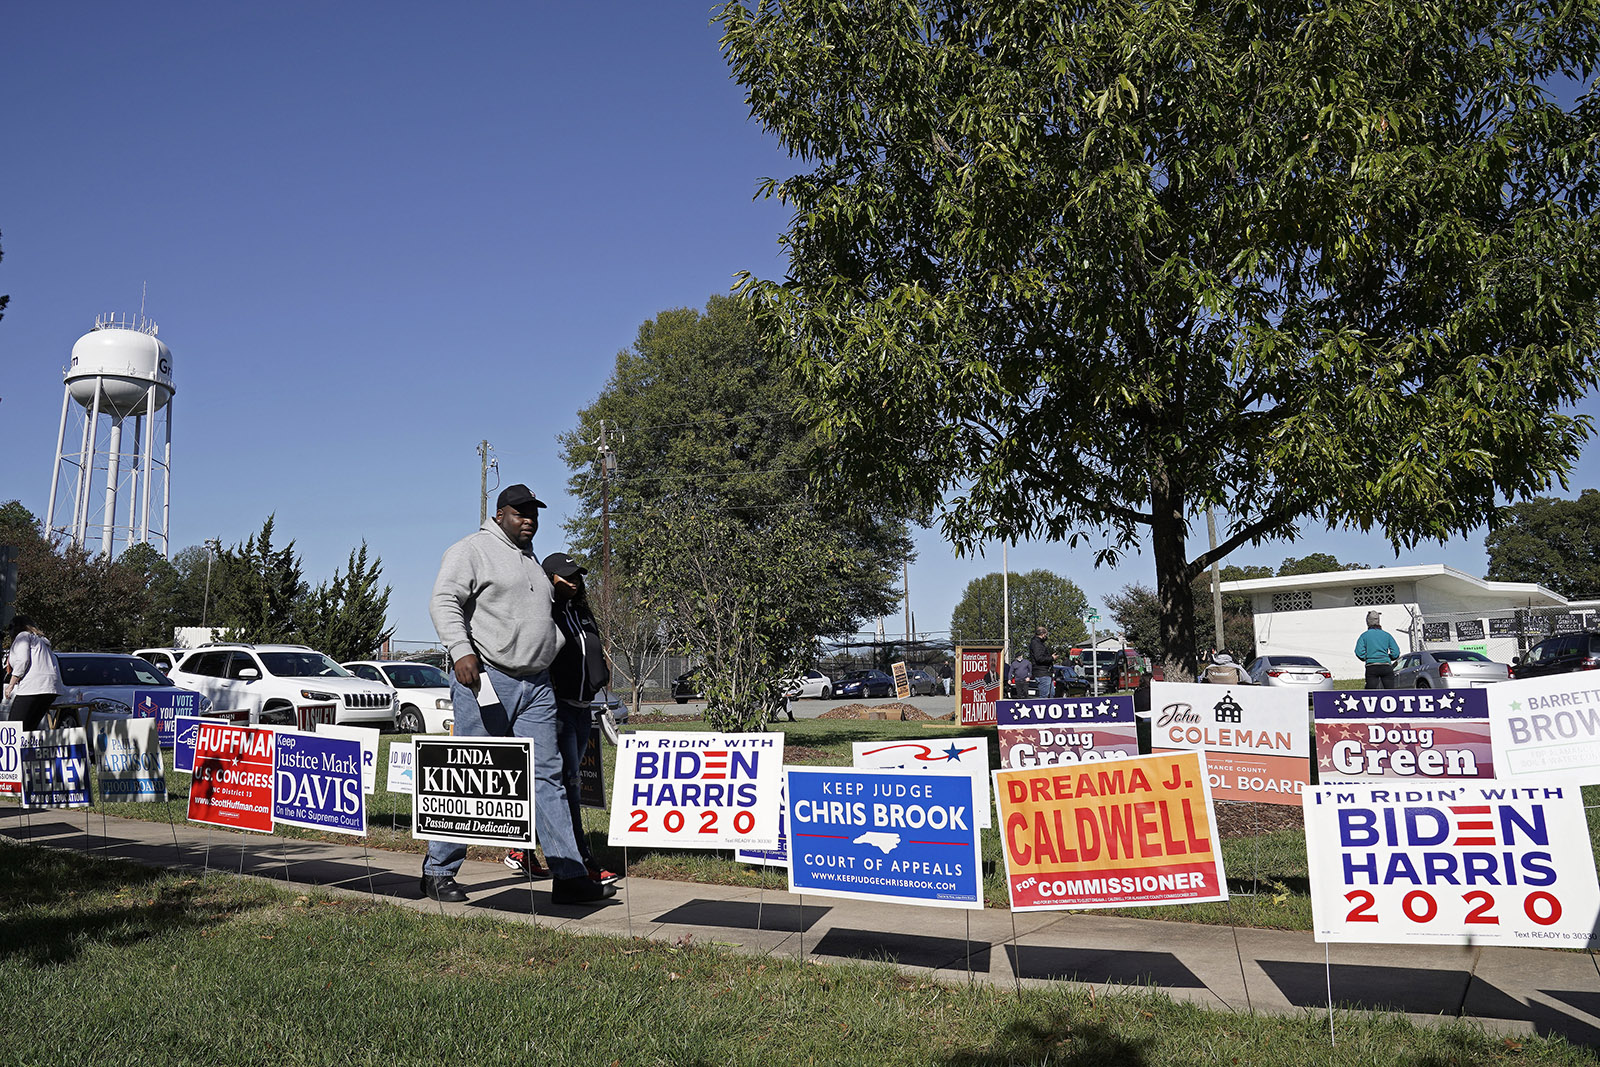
(907, 712)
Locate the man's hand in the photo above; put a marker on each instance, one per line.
(468, 671)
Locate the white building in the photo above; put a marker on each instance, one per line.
(1426, 606)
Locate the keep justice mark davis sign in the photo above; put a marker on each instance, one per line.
(474, 790)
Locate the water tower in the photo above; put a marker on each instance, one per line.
(121, 381)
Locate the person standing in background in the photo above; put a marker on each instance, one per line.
(1043, 661)
(33, 677)
(1377, 649)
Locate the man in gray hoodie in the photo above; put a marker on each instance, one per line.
(491, 607)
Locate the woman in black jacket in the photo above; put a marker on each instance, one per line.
(578, 673)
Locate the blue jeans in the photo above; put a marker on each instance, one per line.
(527, 708)
(1047, 682)
(572, 734)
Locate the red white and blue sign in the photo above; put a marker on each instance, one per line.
(958, 755)
(232, 784)
(1419, 734)
(884, 835)
(1451, 863)
(771, 857)
(185, 732)
(697, 790)
(164, 706)
(1058, 731)
(316, 783)
(10, 758)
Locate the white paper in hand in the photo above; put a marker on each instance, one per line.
(487, 697)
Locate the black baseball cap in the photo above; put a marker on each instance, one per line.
(520, 497)
(559, 563)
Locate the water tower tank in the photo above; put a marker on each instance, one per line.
(123, 362)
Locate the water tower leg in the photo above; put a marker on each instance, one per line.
(166, 487)
(55, 474)
(80, 514)
(113, 470)
(149, 448)
(133, 478)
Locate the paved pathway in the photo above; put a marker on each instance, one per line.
(1511, 990)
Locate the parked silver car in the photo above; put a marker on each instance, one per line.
(1301, 672)
(1448, 668)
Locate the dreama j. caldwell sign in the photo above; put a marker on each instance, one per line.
(1117, 833)
(1451, 863)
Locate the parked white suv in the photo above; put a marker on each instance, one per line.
(291, 685)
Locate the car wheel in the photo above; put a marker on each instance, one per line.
(827, 694)
(409, 721)
(1422, 683)
(681, 700)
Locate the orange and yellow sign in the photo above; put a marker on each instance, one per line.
(1119, 833)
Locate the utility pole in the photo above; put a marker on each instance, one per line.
(213, 546)
(905, 572)
(484, 463)
(608, 463)
(1216, 578)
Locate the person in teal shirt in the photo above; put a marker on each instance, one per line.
(1377, 649)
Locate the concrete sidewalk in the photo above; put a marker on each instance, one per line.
(1509, 990)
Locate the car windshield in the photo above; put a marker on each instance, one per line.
(1293, 661)
(1460, 656)
(111, 670)
(302, 665)
(416, 676)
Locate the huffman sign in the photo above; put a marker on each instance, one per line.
(474, 791)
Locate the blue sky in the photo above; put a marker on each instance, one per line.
(375, 234)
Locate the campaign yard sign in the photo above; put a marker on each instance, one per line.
(232, 784)
(1112, 834)
(1255, 738)
(313, 717)
(164, 706)
(185, 732)
(957, 755)
(1451, 863)
(1402, 733)
(55, 768)
(884, 835)
(474, 790)
(902, 679)
(978, 672)
(1546, 729)
(367, 738)
(1055, 731)
(316, 783)
(401, 771)
(592, 773)
(10, 758)
(128, 758)
(681, 790)
(771, 857)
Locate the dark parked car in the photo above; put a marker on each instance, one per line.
(686, 686)
(923, 684)
(1561, 654)
(860, 684)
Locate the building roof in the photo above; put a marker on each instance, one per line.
(1437, 574)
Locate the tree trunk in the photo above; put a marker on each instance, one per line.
(1174, 593)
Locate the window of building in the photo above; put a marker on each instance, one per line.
(1367, 595)
(1299, 600)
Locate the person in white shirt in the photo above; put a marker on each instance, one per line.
(33, 677)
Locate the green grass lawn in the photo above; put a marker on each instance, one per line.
(105, 962)
(1267, 871)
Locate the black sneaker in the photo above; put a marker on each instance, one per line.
(442, 887)
(579, 891)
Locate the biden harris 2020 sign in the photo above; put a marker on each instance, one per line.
(1451, 863)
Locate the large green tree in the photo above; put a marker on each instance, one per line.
(1037, 596)
(700, 416)
(257, 588)
(1086, 268)
(1551, 541)
(347, 616)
